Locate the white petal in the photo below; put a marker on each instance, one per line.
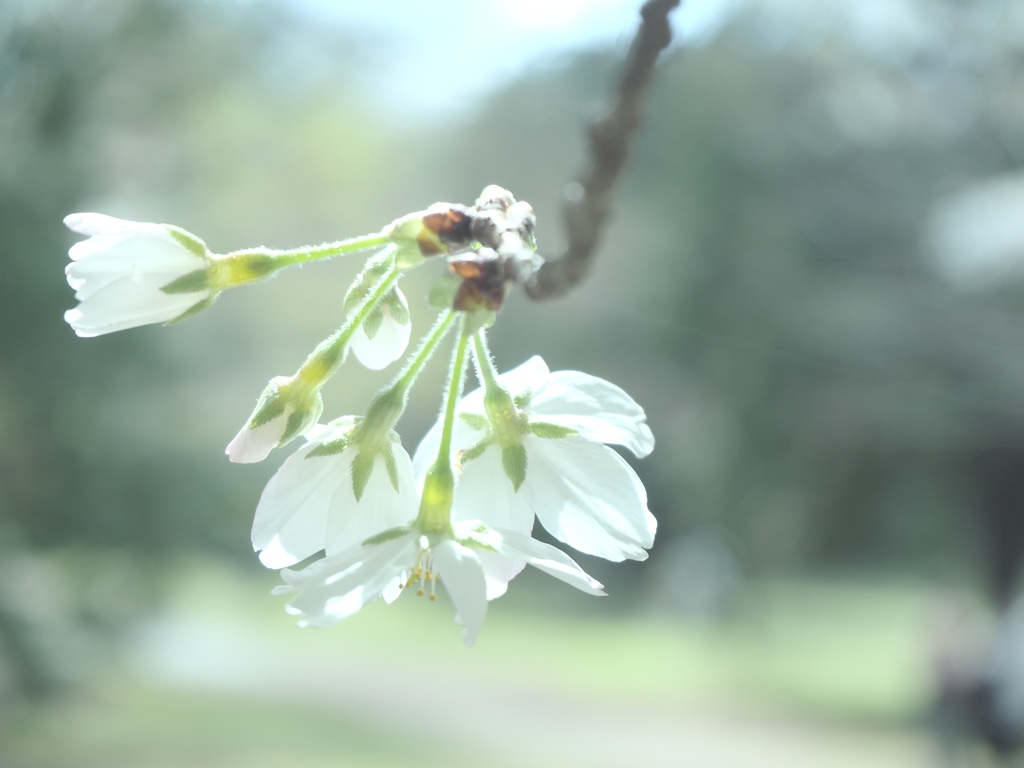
(252, 445)
(101, 224)
(499, 570)
(426, 451)
(463, 576)
(484, 492)
(291, 518)
(597, 409)
(394, 589)
(549, 559)
(99, 261)
(528, 377)
(463, 437)
(128, 303)
(350, 522)
(387, 345)
(322, 433)
(531, 376)
(118, 272)
(337, 587)
(586, 495)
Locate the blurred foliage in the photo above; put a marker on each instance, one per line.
(821, 398)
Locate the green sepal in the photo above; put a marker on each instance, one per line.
(550, 431)
(479, 544)
(192, 282)
(373, 322)
(330, 448)
(301, 419)
(362, 468)
(383, 413)
(482, 318)
(474, 420)
(408, 257)
(190, 241)
(374, 269)
(443, 290)
(292, 427)
(396, 307)
(271, 408)
(513, 461)
(195, 309)
(252, 267)
(476, 451)
(523, 399)
(481, 537)
(392, 467)
(355, 295)
(388, 535)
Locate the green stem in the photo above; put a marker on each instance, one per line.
(454, 391)
(330, 353)
(407, 377)
(486, 371)
(435, 514)
(506, 423)
(288, 257)
(388, 405)
(252, 264)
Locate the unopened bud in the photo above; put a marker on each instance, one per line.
(484, 285)
(284, 412)
(442, 228)
(494, 197)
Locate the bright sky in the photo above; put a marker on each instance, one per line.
(489, 42)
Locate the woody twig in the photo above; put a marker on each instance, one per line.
(588, 201)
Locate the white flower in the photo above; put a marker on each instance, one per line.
(311, 504)
(118, 274)
(253, 444)
(582, 491)
(384, 336)
(285, 410)
(338, 586)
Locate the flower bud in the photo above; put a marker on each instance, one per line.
(284, 411)
(484, 286)
(442, 228)
(131, 273)
(384, 335)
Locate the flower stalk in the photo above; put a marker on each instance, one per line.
(388, 405)
(251, 264)
(499, 406)
(372, 435)
(439, 484)
(291, 405)
(330, 353)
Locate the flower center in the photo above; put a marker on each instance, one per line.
(421, 572)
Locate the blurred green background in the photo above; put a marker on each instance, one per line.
(826, 335)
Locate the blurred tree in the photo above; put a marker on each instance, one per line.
(106, 99)
(857, 399)
(814, 384)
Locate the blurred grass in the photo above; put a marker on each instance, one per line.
(221, 677)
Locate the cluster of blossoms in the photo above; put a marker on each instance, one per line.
(527, 444)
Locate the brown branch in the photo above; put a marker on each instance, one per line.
(588, 202)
